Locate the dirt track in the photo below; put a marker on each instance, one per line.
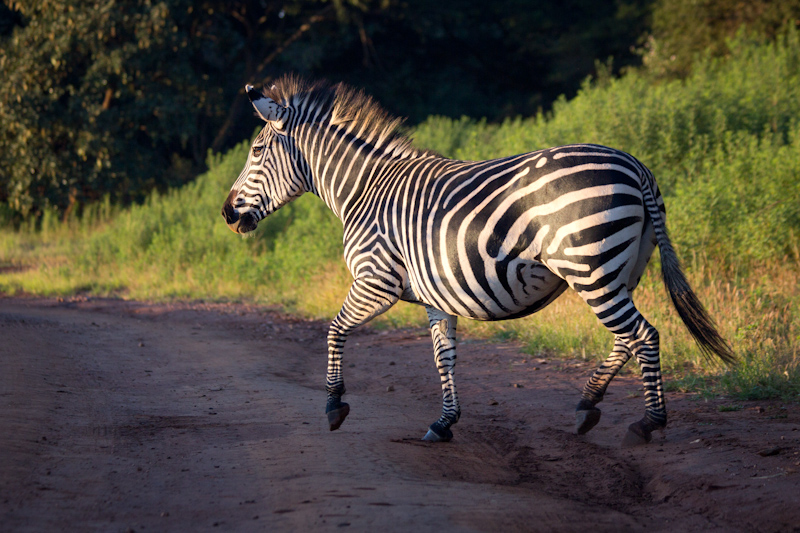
(118, 416)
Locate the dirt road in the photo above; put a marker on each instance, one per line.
(120, 416)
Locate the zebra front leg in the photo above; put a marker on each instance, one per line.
(443, 332)
(587, 415)
(644, 344)
(365, 300)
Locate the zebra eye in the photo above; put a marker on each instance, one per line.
(257, 150)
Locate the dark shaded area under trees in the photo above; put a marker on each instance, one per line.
(119, 98)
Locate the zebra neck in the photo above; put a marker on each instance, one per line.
(345, 168)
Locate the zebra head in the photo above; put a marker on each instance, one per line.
(270, 178)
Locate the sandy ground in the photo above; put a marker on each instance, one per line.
(123, 416)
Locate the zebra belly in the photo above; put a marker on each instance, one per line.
(532, 287)
(517, 289)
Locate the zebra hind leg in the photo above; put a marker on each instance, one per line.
(587, 415)
(644, 344)
(634, 336)
(443, 333)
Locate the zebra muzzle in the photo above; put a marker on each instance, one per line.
(243, 224)
(238, 223)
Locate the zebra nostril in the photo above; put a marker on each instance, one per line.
(228, 212)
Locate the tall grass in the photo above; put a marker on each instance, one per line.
(724, 146)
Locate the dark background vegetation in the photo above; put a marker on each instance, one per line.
(117, 98)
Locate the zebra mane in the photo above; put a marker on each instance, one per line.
(357, 112)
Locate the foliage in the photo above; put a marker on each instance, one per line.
(683, 30)
(120, 98)
(491, 59)
(96, 99)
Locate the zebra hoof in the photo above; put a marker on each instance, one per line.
(337, 416)
(637, 435)
(586, 420)
(432, 436)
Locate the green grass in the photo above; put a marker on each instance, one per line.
(724, 146)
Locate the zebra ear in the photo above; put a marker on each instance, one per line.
(267, 109)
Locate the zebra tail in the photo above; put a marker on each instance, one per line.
(690, 309)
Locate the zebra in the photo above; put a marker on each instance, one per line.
(484, 240)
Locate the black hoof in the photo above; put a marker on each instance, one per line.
(438, 432)
(430, 436)
(586, 420)
(337, 416)
(638, 434)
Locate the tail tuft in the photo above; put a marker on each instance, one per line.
(691, 310)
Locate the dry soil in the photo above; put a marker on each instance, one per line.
(125, 416)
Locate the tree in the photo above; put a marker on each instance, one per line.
(487, 59)
(116, 97)
(119, 97)
(684, 29)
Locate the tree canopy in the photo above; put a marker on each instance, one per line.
(683, 29)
